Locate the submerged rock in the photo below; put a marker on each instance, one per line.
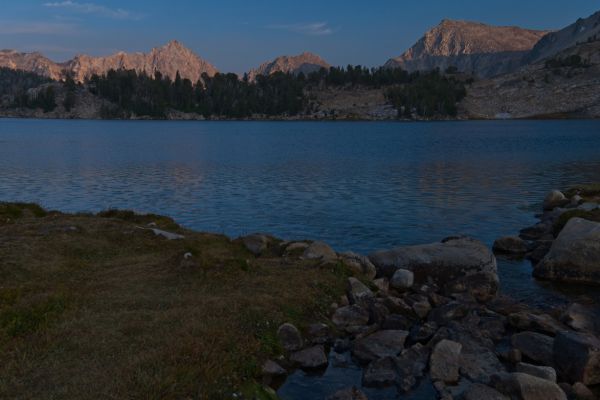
(574, 255)
(511, 245)
(348, 394)
(457, 264)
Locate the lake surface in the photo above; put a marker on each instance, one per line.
(357, 186)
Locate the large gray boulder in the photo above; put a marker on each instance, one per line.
(387, 343)
(574, 255)
(456, 264)
(577, 357)
(528, 387)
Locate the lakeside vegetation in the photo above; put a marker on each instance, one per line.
(129, 93)
(87, 298)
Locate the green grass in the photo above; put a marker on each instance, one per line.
(588, 191)
(12, 211)
(111, 311)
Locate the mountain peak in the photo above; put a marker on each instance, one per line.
(305, 62)
(470, 46)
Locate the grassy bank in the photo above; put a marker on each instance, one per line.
(92, 306)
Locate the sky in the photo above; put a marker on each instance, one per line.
(236, 35)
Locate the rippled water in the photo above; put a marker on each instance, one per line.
(358, 186)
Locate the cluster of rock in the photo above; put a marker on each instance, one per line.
(431, 315)
(571, 256)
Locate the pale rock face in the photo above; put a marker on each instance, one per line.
(471, 47)
(168, 59)
(305, 63)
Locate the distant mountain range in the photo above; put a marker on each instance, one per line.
(168, 59)
(471, 47)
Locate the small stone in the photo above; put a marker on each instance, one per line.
(256, 243)
(290, 338)
(402, 279)
(422, 308)
(445, 361)
(271, 368)
(310, 358)
(547, 373)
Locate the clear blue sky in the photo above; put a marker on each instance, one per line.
(236, 35)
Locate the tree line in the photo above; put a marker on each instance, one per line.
(426, 94)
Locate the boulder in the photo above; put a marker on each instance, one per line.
(580, 318)
(382, 284)
(348, 394)
(396, 322)
(410, 366)
(477, 391)
(422, 333)
(380, 373)
(386, 343)
(577, 357)
(528, 321)
(445, 361)
(358, 292)
(455, 264)
(318, 333)
(510, 245)
(536, 232)
(353, 315)
(402, 279)
(535, 346)
(319, 251)
(574, 255)
(290, 338)
(528, 387)
(359, 264)
(548, 373)
(256, 243)
(540, 249)
(446, 313)
(310, 358)
(582, 392)
(554, 199)
(295, 248)
(271, 368)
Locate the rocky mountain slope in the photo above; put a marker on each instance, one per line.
(305, 63)
(563, 87)
(167, 59)
(471, 47)
(579, 32)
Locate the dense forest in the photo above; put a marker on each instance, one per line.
(429, 94)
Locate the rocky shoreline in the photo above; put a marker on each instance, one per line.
(433, 314)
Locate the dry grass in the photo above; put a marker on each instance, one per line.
(94, 307)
